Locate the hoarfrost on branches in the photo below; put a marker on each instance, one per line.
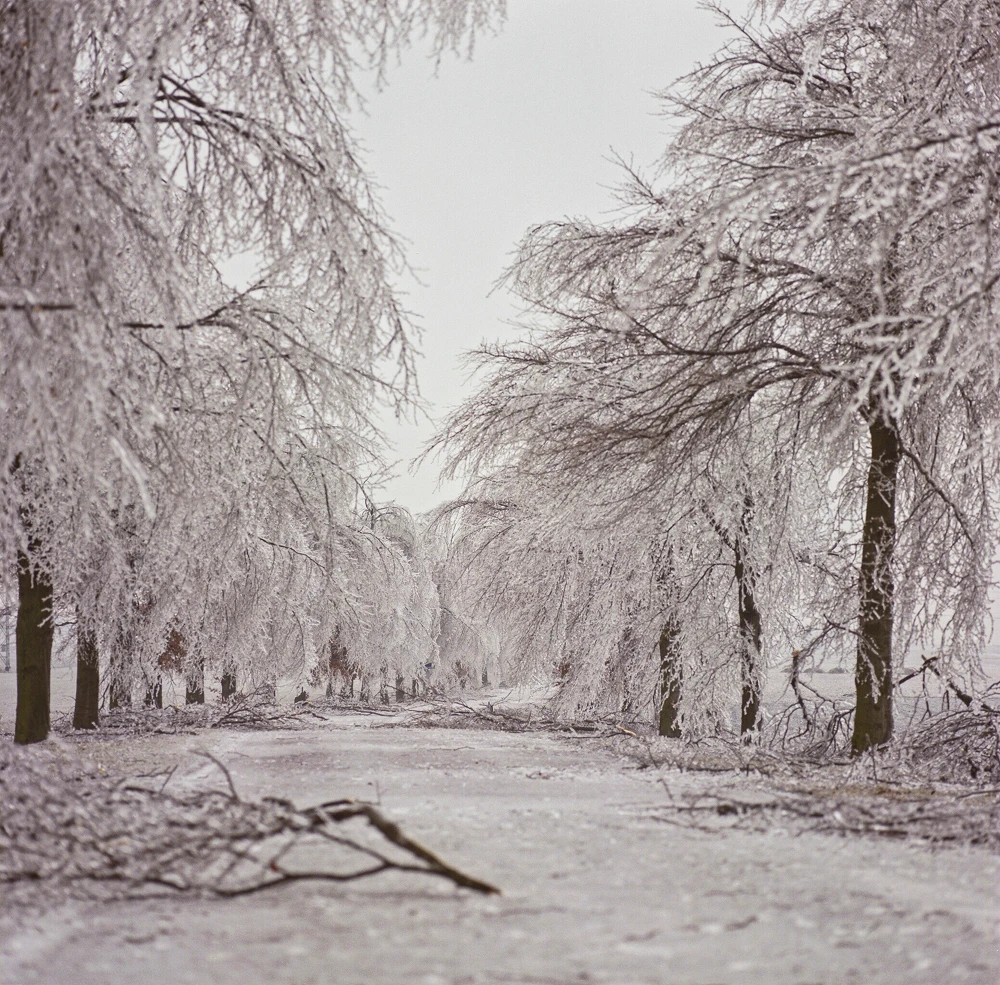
(179, 454)
(799, 300)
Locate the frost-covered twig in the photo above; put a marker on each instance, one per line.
(450, 712)
(66, 830)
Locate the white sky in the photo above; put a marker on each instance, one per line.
(521, 134)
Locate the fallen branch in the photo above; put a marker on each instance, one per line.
(931, 664)
(937, 781)
(343, 810)
(65, 829)
(254, 710)
(257, 710)
(960, 746)
(938, 816)
(443, 711)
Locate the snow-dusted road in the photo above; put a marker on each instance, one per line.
(596, 890)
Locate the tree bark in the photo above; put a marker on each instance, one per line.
(34, 652)
(229, 685)
(671, 678)
(86, 712)
(873, 672)
(749, 624)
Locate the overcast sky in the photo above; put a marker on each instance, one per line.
(523, 133)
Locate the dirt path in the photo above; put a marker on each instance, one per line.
(596, 890)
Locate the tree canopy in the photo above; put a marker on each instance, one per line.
(181, 449)
(803, 287)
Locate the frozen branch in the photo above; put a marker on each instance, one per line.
(65, 830)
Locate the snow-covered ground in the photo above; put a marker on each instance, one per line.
(595, 888)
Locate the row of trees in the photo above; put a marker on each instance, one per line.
(180, 458)
(759, 412)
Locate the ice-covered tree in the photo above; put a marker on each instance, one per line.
(629, 606)
(813, 263)
(143, 146)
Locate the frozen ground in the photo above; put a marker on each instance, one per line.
(595, 888)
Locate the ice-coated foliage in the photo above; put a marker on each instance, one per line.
(811, 270)
(579, 581)
(177, 452)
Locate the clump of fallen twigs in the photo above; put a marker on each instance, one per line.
(447, 711)
(932, 740)
(951, 746)
(837, 806)
(955, 747)
(937, 781)
(68, 830)
(253, 710)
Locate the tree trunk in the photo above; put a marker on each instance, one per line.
(195, 683)
(618, 673)
(749, 629)
(88, 677)
(873, 672)
(400, 689)
(120, 671)
(123, 673)
(671, 669)
(154, 693)
(671, 678)
(34, 652)
(229, 685)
